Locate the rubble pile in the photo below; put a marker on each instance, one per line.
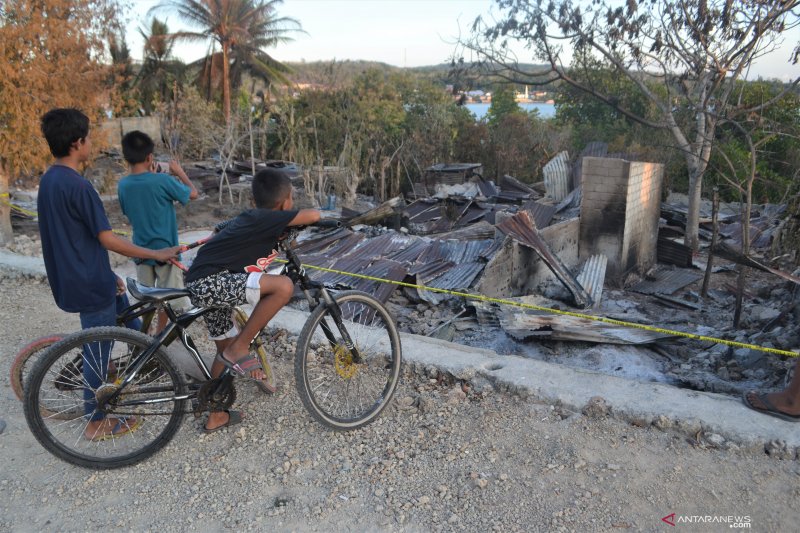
(25, 245)
(595, 237)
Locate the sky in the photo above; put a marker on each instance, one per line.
(404, 33)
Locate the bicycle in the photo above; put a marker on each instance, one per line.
(144, 310)
(347, 368)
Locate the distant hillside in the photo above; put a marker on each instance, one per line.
(339, 73)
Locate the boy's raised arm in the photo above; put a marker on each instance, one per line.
(178, 171)
(305, 217)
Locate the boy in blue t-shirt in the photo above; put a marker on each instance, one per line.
(76, 237)
(147, 198)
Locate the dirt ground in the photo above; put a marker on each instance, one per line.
(439, 460)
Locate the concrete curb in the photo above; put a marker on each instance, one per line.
(640, 402)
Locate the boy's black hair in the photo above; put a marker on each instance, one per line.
(136, 146)
(62, 127)
(271, 187)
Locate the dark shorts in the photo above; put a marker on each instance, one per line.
(224, 291)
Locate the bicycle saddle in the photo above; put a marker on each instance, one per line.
(153, 294)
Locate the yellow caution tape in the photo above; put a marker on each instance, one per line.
(502, 301)
(16, 207)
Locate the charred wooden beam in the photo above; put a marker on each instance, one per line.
(385, 210)
(725, 251)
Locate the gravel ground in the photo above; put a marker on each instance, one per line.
(447, 457)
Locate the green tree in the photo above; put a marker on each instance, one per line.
(160, 71)
(503, 104)
(775, 134)
(241, 28)
(695, 52)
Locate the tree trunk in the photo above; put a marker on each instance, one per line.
(226, 83)
(691, 238)
(6, 234)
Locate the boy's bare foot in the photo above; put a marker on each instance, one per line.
(98, 430)
(220, 419)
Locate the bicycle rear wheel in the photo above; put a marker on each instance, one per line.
(25, 358)
(339, 392)
(61, 395)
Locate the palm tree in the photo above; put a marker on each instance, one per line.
(242, 28)
(159, 70)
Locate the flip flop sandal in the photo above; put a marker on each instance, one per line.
(234, 417)
(242, 366)
(770, 409)
(122, 427)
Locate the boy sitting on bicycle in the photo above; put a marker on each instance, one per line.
(224, 275)
(76, 237)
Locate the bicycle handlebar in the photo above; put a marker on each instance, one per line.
(327, 223)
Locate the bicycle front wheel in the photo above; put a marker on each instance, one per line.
(77, 409)
(339, 390)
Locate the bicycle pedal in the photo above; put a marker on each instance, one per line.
(196, 411)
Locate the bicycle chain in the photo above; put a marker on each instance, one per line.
(201, 402)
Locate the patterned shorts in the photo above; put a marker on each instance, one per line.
(224, 291)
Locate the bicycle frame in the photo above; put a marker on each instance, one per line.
(295, 271)
(175, 328)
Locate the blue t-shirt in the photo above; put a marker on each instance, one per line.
(147, 200)
(71, 216)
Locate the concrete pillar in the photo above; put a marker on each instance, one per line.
(619, 213)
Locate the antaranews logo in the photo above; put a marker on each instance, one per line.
(734, 522)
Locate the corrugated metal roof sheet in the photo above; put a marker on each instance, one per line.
(487, 188)
(492, 249)
(381, 245)
(592, 277)
(667, 282)
(382, 268)
(411, 252)
(521, 228)
(437, 226)
(459, 277)
(415, 208)
(512, 184)
(471, 214)
(473, 250)
(541, 213)
(318, 243)
(480, 231)
(434, 252)
(428, 271)
(345, 245)
(356, 265)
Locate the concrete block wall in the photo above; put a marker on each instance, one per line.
(642, 212)
(619, 213)
(114, 129)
